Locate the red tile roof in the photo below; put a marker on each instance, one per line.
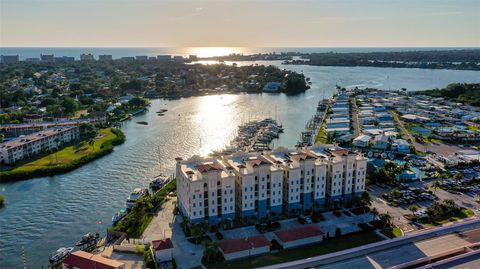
(84, 260)
(235, 245)
(203, 168)
(298, 233)
(162, 244)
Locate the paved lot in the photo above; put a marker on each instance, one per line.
(401, 254)
(131, 260)
(398, 213)
(347, 224)
(161, 225)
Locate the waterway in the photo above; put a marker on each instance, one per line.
(46, 213)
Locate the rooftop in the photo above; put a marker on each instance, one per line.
(235, 245)
(84, 260)
(298, 233)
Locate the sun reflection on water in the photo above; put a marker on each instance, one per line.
(215, 51)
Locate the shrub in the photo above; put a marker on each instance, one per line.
(2, 201)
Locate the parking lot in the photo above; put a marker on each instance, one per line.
(467, 200)
(346, 223)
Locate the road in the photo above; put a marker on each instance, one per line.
(356, 122)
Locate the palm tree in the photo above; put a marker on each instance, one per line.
(413, 208)
(91, 142)
(374, 213)
(458, 177)
(210, 251)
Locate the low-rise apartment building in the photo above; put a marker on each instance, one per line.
(261, 184)
(36, 143)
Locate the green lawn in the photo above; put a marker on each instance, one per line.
(472, 128)
(321, 135)
(464, 213)
(67, 158)
(329, 246)
(393, 232)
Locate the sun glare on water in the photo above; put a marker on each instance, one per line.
(214, 51)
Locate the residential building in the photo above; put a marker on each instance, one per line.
(9, 59)
(164, 58)
(84, 260)
(206, 190)
(87, 57)
(47, 58)
(362, 141)
(105, 57)
(33, 144)
(141, 58)
(244, 247)
(260, 184)
(162, 250)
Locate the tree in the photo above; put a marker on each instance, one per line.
(137, 102)
(366, 198)
(386, 219)
(374, 213)
(87, 131)
(458, 177)
(413, 208)
(338, 232)
(210, 251)
(69, 105)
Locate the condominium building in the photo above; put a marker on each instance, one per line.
(206, 190)
(30, 145)
(87, 57)
(47, 58)
(9, 59)
(105, 57)
(261, 184)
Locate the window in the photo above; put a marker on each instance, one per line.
(225, 209)
(231, 199)
(225, 200)
(194, 213)
(231, 191)
(251, 204)
(251, 188)
(193, 204)
(263, 187)
(200, 204)
(246, 197)
(246, 189)
(213, 193)
(263, 179)
(200, 196)
(213, 210)
(273, 185)
(213, 202)
(225, 192)
(193, 196)
(231, 207)
(263, 195)
(251, 196)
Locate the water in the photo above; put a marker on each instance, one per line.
(34, 52)
(44, 214)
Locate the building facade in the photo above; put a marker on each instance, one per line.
(262, 184)
(36, 143)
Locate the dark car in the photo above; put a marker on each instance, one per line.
(219, 235)
(315, 219)
(301, 220)
(276, 225)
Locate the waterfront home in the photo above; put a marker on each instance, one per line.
(401, 146)
(162, 250)
(84, 260)
(233, 249)
(300, 236)
(36, 143)
(414, 118)
(362, 141)
(380, 142)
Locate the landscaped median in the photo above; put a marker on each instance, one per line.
(68, 158)
(142, 212)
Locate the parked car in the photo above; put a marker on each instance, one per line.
(301, 220)
(308, 220)
(219, 235)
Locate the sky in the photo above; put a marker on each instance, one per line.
(240, 23)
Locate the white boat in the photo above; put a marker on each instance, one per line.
(133, 197)
(59, 255)
(119, 215)
(158, 182)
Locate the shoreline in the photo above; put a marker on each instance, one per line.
(106, 147)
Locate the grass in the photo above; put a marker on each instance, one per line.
(321, 135)
(393, 232)
(2, 201)
(67, 158)
(325, 247)
(141, 214)
(463, 213)
(472, 128)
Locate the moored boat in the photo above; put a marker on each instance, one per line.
(60, 254)
(134, 196)
(119, 215)
(85, 239)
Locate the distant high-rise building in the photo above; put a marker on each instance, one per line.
(87, 57)
(141, 58)
(192, 57)
(9, 59)
(164, 58)
(47, 58)
(127, 58)
(64, 59)
(105, 57)
(178, 59)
